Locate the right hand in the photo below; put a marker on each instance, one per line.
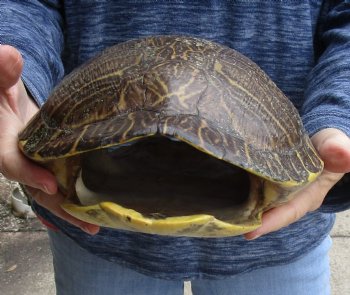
(16, 109)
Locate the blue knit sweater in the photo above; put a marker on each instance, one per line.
(304, 46)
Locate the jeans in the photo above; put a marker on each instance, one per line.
(77, 272)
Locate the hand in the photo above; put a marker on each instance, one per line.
(334, 149)
(16, 109)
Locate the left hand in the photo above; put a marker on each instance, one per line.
(16, 109)
(334, 149)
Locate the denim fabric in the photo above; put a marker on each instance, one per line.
(77, 272)
(309, 275)
(304, 46)
(80, 273)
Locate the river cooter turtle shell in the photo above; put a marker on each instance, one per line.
(192, 90)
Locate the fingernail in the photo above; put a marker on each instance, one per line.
(45, 189)
(88, 230)
(252, 236)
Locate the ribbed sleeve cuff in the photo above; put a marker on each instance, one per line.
(34, 28)
(323, 118)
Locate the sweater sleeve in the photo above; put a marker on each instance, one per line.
(327, 95)
(35, 29)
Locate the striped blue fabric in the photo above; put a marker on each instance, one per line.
(304, 46)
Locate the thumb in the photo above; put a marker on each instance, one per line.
(11, 64)
(334, 148)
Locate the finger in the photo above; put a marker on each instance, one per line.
(306, 200)
(53, 204)
(277, 218)
(334, 149)
(11, 64)
(15, 166)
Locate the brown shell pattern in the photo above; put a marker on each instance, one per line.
(198, 91)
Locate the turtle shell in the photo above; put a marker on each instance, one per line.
(191, 90)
